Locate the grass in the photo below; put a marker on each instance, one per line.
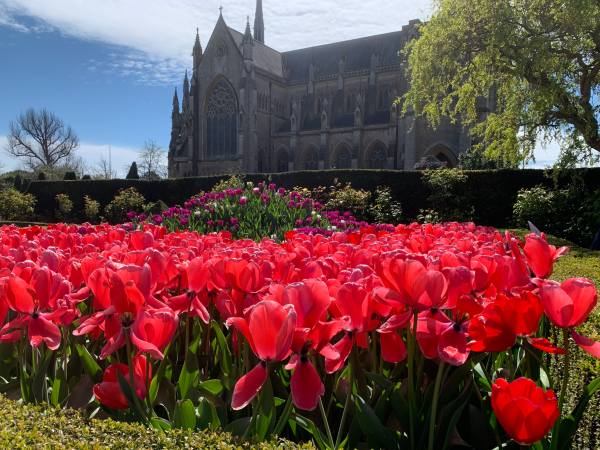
(580, 262)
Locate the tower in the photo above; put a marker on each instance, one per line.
(259, 23)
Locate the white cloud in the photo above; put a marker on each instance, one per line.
(121, 157)
(165, 29)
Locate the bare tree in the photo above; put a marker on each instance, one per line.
(104, 170)
(152, 161)
(40, 138)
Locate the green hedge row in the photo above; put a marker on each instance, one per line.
(492, 193)
(26, 427)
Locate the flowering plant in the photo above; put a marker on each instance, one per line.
(253, 212)
(408, 337)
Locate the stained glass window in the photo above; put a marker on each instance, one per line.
(222, 121)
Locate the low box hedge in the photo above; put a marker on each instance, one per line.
(27, 426)
(492, 193)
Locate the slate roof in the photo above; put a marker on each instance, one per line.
(294, 65)
(264, 56)
(356, 53)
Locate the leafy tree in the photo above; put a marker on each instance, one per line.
(514, 70)
(41, 139)
(133, 172)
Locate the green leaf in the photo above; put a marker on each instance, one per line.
(215, 387)
(224, 355)
(129, 395)
(60, 389)
(265, 419)
(89, 363)
(451, 413)
(185, 415)
(570, 424)
(158, 423)
(208, 416)
(400, 406)
(314, 431)
(38, 383)
(190, 373)
(371, 425)
(238, 427)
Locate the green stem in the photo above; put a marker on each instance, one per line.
(346, 403)
(565, 381)
(283, 419)
(436, 397)
(563, 389)
(136, 400)
(411, 382)
(326, 422)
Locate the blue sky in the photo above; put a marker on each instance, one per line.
(109, 67)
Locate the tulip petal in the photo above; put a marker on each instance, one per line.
(393, 349)
(248, 387)
(41, 330)
(307, 386)
(588, 345)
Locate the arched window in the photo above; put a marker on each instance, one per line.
(343, 158)
(311, 159)
(282, 161)
(221, 121)
(377, 157)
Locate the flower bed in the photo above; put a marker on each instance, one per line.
(254, 212)
(411, 337)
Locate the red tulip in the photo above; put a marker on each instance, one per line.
(109, 393)
(568, 304)
(35, 302)
(152, 330)
(524, 410)
(269, 330)
(541, 255)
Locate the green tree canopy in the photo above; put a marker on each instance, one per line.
(535, 62)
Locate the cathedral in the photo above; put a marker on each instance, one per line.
(248, 108)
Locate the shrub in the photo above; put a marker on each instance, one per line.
(428, 216)
(27, 426)
(447, 194)
(64, 205)
(127, 200)
(15, 205)
(346, 198)
(91, 208)
(385, 209)
(571, 213)
(535, 205)
(233, 182)
(70, 176)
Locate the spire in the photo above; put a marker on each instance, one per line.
(247, 34)
(175, 103)
(186, 93)
(247, 41)
(259, 23)
(197, 53)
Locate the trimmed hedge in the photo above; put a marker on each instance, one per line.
(492, 193)
(27, 426)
